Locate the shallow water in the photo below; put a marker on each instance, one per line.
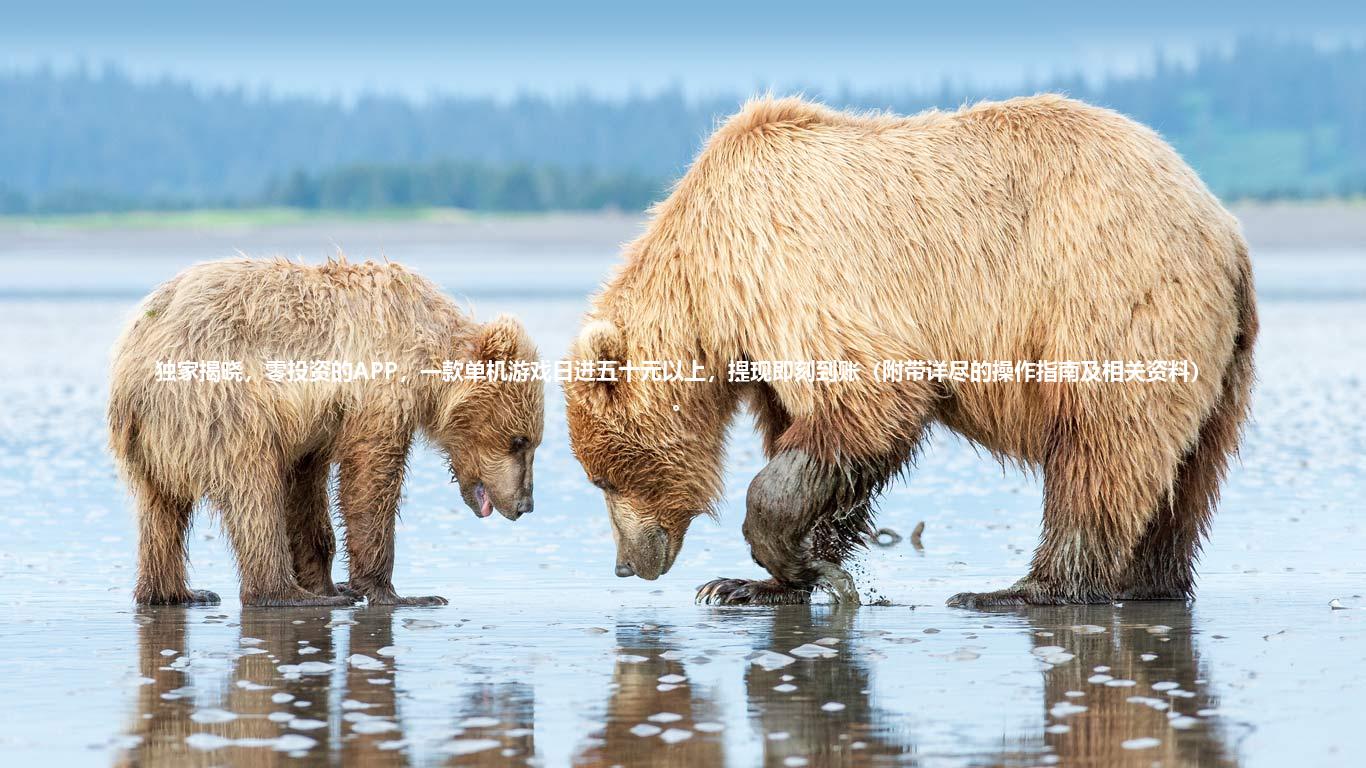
(545, 657)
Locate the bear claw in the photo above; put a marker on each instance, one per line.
(300, 600)
(344, 588)
(387, 596)
(190, 597)
(1022, 592)
(426, 601)
(1004, 597)
(747, 592)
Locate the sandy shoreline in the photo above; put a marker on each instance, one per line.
(1269, 226)
(314, 238)
(1329, 225)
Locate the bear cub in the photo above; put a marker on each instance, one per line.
(241, 382)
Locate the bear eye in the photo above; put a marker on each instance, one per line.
(602, 483)
(519, 443)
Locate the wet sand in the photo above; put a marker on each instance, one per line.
(544, 657)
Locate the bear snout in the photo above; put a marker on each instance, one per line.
(645, 554)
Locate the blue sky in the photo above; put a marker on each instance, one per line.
(612, 48)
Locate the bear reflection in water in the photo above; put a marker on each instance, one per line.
(283, 700)
(1134, 692)
(644, 712)
(791, 725)
(1143, 685)
(262, 714)
(858, 734)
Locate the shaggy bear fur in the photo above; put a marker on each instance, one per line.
(260, 451)
(1031, 229)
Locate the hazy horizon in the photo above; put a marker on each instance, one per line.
(616, 49)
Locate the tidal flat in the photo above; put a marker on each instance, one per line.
(545, 657)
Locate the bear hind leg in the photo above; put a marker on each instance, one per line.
(255, 518)
(1163, 567)
(311, 539)
(1095, 514)
(163, 525)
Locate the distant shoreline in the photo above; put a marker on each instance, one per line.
(253, 217)
(1282, 225)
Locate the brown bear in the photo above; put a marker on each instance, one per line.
(259, 448)
(1034, 229)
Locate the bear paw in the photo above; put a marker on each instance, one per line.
(203, 597)
(345, 588)
(385, 595)
(747, 592)
(299, 599)
(421, 602)
(188, 598)
(1022, 592)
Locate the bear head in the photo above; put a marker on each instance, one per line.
(654, 448)
(490, 426)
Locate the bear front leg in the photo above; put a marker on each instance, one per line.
(371, 484)
(787, 502)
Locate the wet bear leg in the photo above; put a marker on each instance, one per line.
(254, 515)
(371, 484)
(1163, 566)
(789, 504)
(163, 524)
(311, 539)
(1096, 509)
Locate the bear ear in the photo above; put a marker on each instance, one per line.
(503, 339)
(600, 340)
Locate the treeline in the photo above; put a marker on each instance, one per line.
(471, 186)
(1261, 119)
